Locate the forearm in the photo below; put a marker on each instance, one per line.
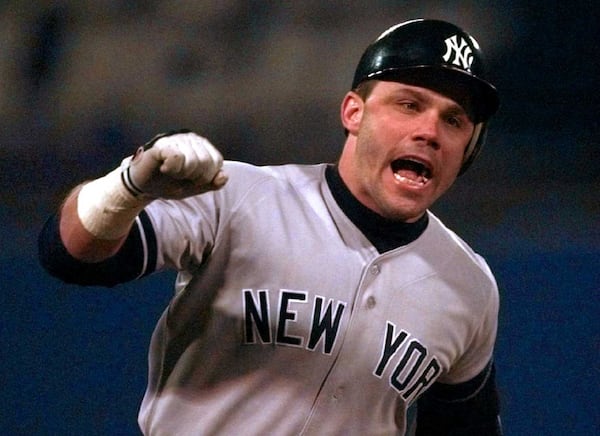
(79, 242)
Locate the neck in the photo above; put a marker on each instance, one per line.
(383, 233)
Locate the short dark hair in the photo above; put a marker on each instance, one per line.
(364, 89)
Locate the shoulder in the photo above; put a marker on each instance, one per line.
(247, 184)
(460, 266)
(244, 174)
(453, 248)
(252, 181)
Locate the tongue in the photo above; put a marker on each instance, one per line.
(409, 176)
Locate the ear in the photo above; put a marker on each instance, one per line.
(351, 112)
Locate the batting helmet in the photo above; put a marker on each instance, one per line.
(437, 55)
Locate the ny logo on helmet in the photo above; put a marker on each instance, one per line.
(458, 52)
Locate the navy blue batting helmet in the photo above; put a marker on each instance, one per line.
(438, 55)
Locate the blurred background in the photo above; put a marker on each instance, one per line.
(83, 83)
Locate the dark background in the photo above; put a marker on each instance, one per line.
(82, 83)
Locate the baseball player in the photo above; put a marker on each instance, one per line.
(311, 299)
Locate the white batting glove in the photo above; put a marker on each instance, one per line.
(173, 166)
(176, 165)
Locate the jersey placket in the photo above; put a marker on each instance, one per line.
(340, 384)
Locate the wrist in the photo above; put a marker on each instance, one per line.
(106, 208)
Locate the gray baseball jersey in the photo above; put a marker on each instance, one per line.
(286, 319)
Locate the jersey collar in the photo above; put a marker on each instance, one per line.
(383, 233)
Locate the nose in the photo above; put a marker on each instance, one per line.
(427, 129)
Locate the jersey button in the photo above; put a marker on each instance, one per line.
(339, 392)
(375, 269)
(371, 302)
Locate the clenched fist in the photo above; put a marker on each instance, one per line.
(175, 165)
(172, 166)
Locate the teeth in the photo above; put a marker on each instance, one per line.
(420, 181)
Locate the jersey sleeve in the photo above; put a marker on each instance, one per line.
(480, 347)
(465, 400)
(185, 230)
(135, 259)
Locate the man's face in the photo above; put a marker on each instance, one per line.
(405, 148)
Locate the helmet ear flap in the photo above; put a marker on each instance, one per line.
(474, 146)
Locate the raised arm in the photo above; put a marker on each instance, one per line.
(96, 218)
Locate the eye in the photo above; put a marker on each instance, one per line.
(458, 119)
(454, 121)
(408, 106)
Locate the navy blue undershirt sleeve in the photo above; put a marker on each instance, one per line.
(467, 409)
(135, 259)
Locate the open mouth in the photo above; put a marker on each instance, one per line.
(411, 171)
